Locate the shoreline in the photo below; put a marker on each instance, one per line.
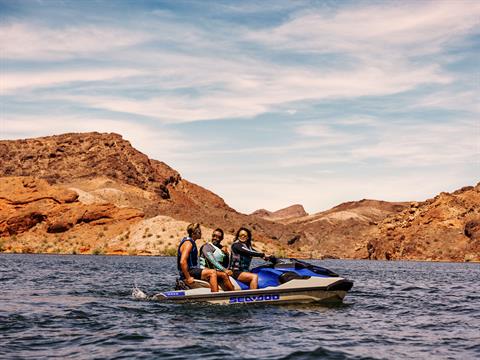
(296, 257)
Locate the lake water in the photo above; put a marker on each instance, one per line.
(55, 306)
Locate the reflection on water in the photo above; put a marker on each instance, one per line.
(81, 307)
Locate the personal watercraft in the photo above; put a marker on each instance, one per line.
(279, 282)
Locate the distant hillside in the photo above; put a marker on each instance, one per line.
(107, 166)
(446, 227)
(288, 213)
(343, 231)
(90, 191)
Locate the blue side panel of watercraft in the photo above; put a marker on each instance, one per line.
(242, 285)
(268, 277)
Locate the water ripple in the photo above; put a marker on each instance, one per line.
(80, 307)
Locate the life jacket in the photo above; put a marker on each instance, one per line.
(192, 260)
(218, 254)
(239, 261)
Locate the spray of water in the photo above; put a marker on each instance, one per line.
(137, 293)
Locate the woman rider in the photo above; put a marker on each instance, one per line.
(241, 257)
(214, 256)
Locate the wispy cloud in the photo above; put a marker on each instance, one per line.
(40, 43)
(229, 86)
(28, 80)
(158, 143)
(305, 97)
(400, 29)
(417, 145)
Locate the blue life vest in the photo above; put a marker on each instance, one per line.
(192, 260)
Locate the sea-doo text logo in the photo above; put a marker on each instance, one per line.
(253, 298)
(174, 293)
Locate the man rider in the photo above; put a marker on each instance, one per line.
(187, 261)
(214, 256)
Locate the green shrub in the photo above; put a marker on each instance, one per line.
(98, 251)
(170, 251)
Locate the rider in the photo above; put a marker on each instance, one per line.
(215, 256)
(187, 261)
(241, 257)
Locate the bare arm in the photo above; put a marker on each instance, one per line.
(207, 253)
(185, 249)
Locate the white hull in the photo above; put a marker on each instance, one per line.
(310, 290)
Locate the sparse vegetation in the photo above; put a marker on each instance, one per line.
(98, 251)
(170, 251)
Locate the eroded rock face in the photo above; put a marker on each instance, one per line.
(345, 230)
(62, 158)
(443, 228)
(111, 179)
(79, 160)
(472, 229)
(26, 202)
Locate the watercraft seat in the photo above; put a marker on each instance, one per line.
(290, 275)
(197, 284)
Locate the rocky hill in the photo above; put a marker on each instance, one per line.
(342, 231)
(446, 227)
(288, 213)
(38, 217)
(105, 168)
(91, 192)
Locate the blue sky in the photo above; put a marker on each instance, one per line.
(266, 103)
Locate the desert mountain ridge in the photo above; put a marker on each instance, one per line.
(123, 202)
(293, 211)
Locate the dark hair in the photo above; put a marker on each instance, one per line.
(191, 228)
(220, 231)
(249, 233)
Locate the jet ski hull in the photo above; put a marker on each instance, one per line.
(314, 290)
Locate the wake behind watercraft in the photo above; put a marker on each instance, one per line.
(279, 282)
